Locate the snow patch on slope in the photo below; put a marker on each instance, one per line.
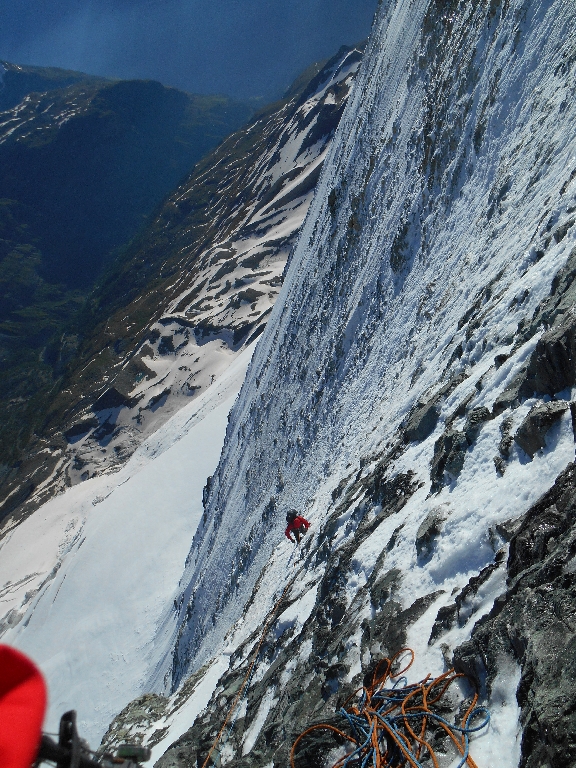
(89, 579)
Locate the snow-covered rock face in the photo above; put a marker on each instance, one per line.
(404, 357)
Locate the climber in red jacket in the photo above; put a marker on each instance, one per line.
(22, 707)
(297, 525)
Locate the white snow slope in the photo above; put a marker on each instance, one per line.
(444, 211)
(89, 578)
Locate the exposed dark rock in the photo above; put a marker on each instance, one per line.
(552, 366)
(423, 418)
(474, 422)
(446, 618)
(422, 422)
(531, 435)
(104, 431)
(250, 295)
(560, 233)
(166, 345)
(382, 590)
(534, 623)
(111, 399)
(391, 493)
(157, 401)
(134, 720)
(429, 531)
(504, 446)
(450, 448)
(476, 582)
(458, 612)
(499, 464)
(550, 517)
(449, 454)
(500, 360)
(508, 528)
(511, 396)
(506, 441)
(80, 428)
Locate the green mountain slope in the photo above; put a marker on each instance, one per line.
(83, 164)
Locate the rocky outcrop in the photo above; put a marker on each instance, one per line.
(531, 435)
(429, 531)
(422, 421)
(552, 366)
(534, 623)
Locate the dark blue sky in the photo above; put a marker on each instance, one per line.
(240, 47)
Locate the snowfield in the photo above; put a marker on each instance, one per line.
(90, 579)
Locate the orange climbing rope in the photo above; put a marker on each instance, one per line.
(388, 725)
(271, 617)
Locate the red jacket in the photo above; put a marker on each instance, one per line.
(22, 705)
(297, 523)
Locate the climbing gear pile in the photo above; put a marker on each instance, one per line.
(393, 722)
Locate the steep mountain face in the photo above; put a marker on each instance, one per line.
(83, 163)
(193, 291)
(412, 395)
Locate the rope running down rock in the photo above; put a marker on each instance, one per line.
(248, 676)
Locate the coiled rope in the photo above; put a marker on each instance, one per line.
(388, 725)
(248, 676)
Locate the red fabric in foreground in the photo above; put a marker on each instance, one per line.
(22, 707)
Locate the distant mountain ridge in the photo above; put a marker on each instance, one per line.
(17, 81)
(191, 291)
(84, 162)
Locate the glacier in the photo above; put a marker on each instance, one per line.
(89, 580)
